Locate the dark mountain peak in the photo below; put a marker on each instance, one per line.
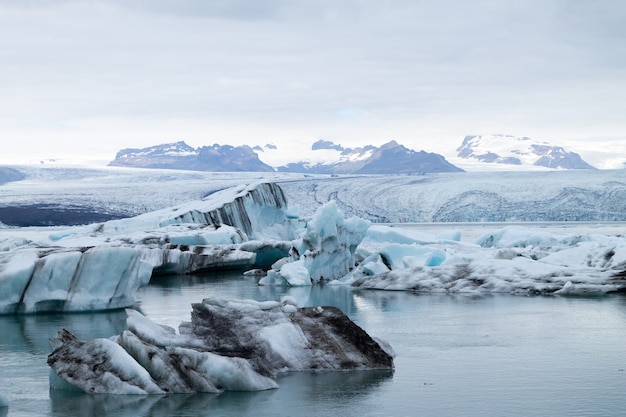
(392, 144)
(326, 144)
(390, 158)
(163, 149)
(179, 155)
(347, 152)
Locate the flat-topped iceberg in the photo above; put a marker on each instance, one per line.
(100, 266)
(239, 345)
(70, 279)
(259, 210)
(514, 260)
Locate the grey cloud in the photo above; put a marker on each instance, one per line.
(280, 61)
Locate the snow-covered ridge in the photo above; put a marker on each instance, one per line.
(511, 150)
(179, 155)
(324, 157)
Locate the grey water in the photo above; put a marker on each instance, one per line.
(456, 355)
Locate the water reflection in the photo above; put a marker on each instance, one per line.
(32, 332)
(299, 394)
(194, 288)
(457, 354)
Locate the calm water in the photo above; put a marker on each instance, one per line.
(457, 355)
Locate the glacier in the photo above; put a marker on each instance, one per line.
(50, 195)
(251, 227)
(239, 345)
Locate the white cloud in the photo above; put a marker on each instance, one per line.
(135, 73)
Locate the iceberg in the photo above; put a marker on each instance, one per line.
(513, 260)
(36, 280)
(259, 210)
(229, 345)
(250, 227)
(325, 252)
(100, 266)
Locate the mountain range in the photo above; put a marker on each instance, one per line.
(179, 155)
(390, 158)
(327, 157)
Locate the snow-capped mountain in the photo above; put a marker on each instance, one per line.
(179, 155)
(327, 157)
(324, 157)
(512, 150)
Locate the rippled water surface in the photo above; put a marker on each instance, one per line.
(456, 355)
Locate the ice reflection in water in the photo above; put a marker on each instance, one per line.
(329, 392)
(457, 355)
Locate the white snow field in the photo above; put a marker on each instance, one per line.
(556, 195)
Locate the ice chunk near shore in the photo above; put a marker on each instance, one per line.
(387, 248)
(58, 279)
(239, 345)
(325, 251)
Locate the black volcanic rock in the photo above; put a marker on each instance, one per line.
(179, 155)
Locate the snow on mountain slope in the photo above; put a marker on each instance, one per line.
(512, 150)
(179, 155)
(326, 157)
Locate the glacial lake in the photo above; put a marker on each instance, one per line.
(456, 355)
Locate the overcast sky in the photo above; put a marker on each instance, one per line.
(92, 77)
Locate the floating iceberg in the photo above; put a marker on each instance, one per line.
(70, 279)
(239, 345)
(101, 266)
(324, 253)
(514, 260)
